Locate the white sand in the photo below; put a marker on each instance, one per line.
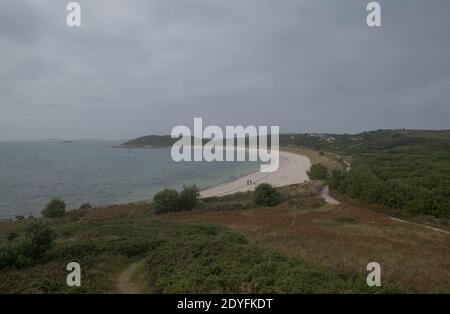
(293, 169)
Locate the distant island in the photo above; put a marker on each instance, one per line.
(153, 141)
(156, 141)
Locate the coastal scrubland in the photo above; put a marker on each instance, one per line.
(405, 173)
(230, 244)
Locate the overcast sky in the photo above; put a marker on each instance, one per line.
(142, 67)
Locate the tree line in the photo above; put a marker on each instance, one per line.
(417, 183)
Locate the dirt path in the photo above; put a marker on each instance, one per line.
(420, 225)
(124, 283)
(325, 193)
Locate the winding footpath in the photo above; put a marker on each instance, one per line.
(325, 194)
(420, 225)
(124, 284)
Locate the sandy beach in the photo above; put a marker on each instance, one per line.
(293, 169)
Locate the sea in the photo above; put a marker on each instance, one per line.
(97, 172)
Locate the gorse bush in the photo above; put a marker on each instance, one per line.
(166, 201)
(318, 172)
(189, 197)
(41, 238)
(171, 201)
(266, 195)
(24, 250)
(55, 208)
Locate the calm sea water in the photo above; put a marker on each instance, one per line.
(95, 172)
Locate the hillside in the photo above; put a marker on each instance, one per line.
(373, 141)
(155, 141)
(380, 140)
(230, 245)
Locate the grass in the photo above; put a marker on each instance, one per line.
(214, 260)
(344, 238)
(328, 159)
(175, 257)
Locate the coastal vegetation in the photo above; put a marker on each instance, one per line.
(372, 141)
(55, 208)
(266, 195)
(174, 256)
(166, 201)
(211, 259)
(318, 172)
(189, 197)
(169, 200)
(27, 247)
(266, 249)
(403, 170)
(417, 183)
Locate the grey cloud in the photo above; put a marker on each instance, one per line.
(139, 67)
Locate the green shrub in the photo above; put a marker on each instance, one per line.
(24, 250)
(21, 253)
(337, 176)
(166, 201)
(171, 201)
(266, 195)
(41, 238)
(189, 197)
(318, 172)
(55, 208)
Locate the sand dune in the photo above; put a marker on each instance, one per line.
(293, 169)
